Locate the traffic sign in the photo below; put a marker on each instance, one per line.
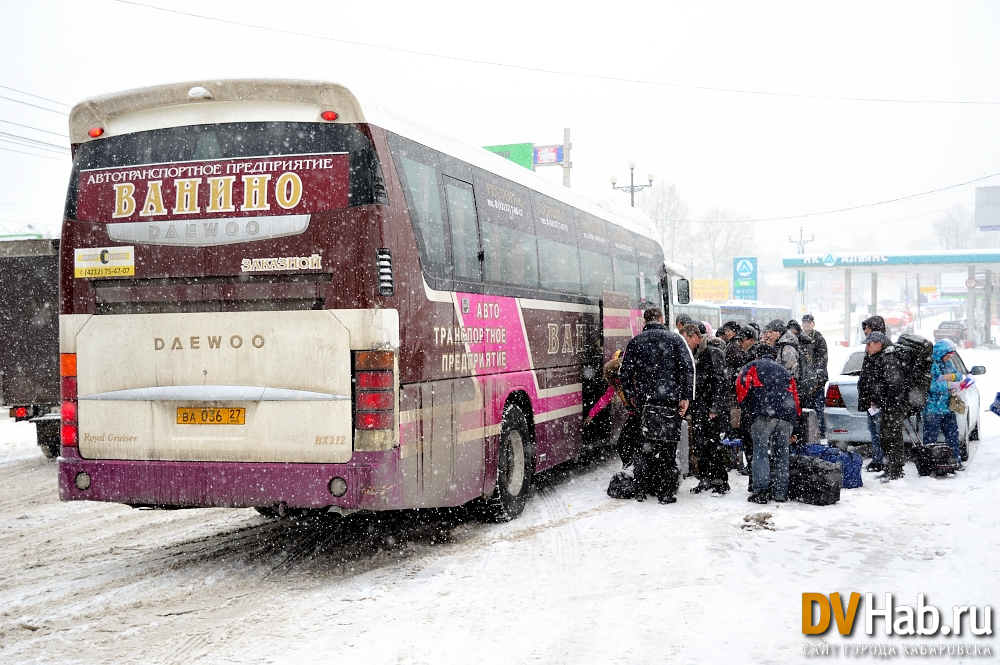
(970, 283)
(745, 278)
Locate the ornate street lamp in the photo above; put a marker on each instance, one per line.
(631, 188)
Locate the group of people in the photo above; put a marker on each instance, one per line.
(884, 395)
(751, 385)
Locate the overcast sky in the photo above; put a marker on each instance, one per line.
(630, 81)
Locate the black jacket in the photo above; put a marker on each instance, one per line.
(735, 359)
(880, 383)
(821, 355)
(713, 393)
(657, 367)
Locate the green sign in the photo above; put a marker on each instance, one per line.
(519, 153)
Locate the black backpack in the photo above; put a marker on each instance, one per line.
(912, 357)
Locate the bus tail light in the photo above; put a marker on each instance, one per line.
(374, 390)
(67, 369)
(383, 259)
(95, 132)
(19, 412)
(329, 115)
(834, 398)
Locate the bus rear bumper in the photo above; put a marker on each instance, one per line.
(228, 484)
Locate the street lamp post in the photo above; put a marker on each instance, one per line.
(631, 188)
(800, 284)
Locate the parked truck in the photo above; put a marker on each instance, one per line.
(29, 336)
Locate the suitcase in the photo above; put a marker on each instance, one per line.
(814, 481)
(936, 459)
(850, 463)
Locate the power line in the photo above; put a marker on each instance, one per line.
(557, 72)
(8, 122)
(18, 101)
(45, 145)
(35, 96)
(32, 154)
(886, 221)
(829, 212)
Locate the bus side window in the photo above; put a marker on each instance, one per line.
(422, 182)
(595, 255)
(509, 246)
(559, 264)
(464, 229)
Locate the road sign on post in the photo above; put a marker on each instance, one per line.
(519, 153)
(745, 278)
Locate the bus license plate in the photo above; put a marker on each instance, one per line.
(187, 416)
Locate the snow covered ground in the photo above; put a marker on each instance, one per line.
(578, 578)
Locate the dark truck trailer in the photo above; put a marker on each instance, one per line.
(29, 336)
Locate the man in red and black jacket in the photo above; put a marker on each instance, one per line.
(770, 400)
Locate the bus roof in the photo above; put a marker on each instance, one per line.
(260, 100)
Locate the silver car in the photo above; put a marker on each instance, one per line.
(846, 425)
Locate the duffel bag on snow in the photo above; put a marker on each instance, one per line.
(936, 459)
(850, 463)
(814, 481)
(622, 486)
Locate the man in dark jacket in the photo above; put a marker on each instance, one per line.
(880, 393)
(745, 352)
(709, 411)
(770, 400)
(821, 360)
(866, 391)
(657, 369)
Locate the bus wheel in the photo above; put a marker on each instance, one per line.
(515, 465)
(48, 437)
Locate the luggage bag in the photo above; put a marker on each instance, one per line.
(936, 459)
(850, 463)
(814, 481)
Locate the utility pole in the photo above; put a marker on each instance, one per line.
(800, 282)
(566, 163)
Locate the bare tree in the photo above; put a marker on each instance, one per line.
(721, 237)
(665, 207)
(956, 229)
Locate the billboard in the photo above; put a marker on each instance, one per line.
(519, 153)
(745, 278)
(710, 289)
(549, 154)
(988, 208)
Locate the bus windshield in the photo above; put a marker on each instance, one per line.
(204, 143)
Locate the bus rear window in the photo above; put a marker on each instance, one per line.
(251, 141)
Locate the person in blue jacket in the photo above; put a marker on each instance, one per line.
(945, 378)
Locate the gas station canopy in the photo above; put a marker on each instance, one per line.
(932, 261)
(914, 262)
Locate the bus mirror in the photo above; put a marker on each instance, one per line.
(683, 291)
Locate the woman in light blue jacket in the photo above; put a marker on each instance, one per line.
(937, 416)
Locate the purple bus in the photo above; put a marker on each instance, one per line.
(274, 295)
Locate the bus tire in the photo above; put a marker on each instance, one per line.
(515, 467)
(48, 433)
